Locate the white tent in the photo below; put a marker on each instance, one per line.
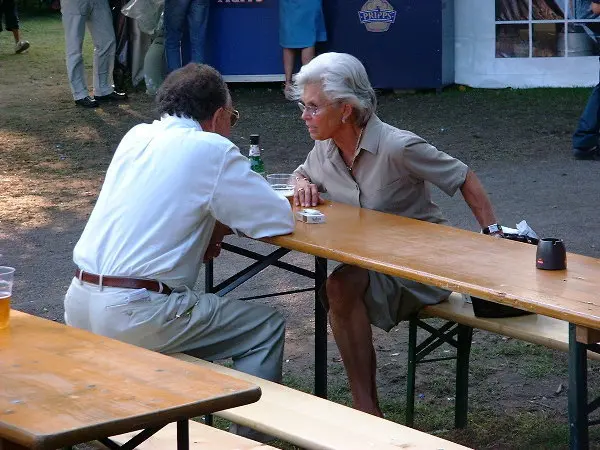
(539, 53)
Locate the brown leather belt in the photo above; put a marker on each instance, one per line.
(122, 282)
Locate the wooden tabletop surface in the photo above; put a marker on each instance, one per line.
(60, 385)
(464, 261)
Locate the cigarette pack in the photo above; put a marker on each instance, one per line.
(310, 216)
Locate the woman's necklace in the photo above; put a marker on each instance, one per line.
(356, 149)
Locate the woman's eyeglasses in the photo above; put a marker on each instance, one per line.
(312, 110)
(235, 116)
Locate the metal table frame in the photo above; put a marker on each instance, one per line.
(319, 275)
(183, 437)
(460, 336)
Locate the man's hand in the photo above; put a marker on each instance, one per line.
(214, 245)
(212, 251)
(595, 8)
(306, 193)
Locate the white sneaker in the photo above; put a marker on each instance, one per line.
(21, 46)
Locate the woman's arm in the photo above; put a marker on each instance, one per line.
(478, 200)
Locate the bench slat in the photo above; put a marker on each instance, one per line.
(202, 437)
(314, 423)
(542, 330)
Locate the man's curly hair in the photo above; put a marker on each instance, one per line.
(196, 91)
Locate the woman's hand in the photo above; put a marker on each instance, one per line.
(306, 193)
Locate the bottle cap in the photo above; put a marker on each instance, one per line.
(254, 139)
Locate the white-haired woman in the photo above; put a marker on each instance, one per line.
(360, 160)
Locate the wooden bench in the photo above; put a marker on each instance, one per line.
(458, 330)
(314, 423)
(202, 437)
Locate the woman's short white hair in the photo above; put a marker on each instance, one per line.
(342, 78)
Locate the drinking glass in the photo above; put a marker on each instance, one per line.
(6, 283)
(283, 184)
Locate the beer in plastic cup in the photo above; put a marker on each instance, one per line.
(6, 283)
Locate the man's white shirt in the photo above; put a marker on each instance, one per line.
(167, 184)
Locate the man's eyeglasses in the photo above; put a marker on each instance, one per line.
(312, 110)
(235, 116)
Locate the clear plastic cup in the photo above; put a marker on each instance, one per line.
(283, 184)
(6, 283)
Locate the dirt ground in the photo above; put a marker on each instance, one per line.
(53, 156)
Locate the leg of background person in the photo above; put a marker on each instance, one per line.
(140, 43)
(351, 328)
(587, 133)
(186, 46)
(11, 17)
(101, 28)
(289, 55)
(288, 63)
(307, 55)
(197, 25)
(174, 17)
(74, 25)
(154, 65)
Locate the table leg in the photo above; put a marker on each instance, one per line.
(183, 435)
(320, 330)
(209, 276)
(465, 336)
(8, 445)
(411, 372)
(578, 392)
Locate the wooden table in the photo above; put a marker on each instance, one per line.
(61, 386)
(502, 271)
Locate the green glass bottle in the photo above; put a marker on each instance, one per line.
(256, 162)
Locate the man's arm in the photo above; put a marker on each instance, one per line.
(244, 201)
(477, 199)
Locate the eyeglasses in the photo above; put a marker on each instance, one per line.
(313, 110)
(235, 116)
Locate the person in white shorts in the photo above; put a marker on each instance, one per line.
(174, 188)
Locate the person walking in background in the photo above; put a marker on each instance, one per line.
(301, 26)
(585, 138)
(76, 14)
(178, 14)
(8, 14)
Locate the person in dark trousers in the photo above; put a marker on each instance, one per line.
(585, 138)
(10, 17)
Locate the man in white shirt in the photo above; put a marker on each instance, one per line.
(172, 191)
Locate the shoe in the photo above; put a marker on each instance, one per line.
(591, 154)
(87, 102)
(21, 46)
(114, 96)
(288, 91)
